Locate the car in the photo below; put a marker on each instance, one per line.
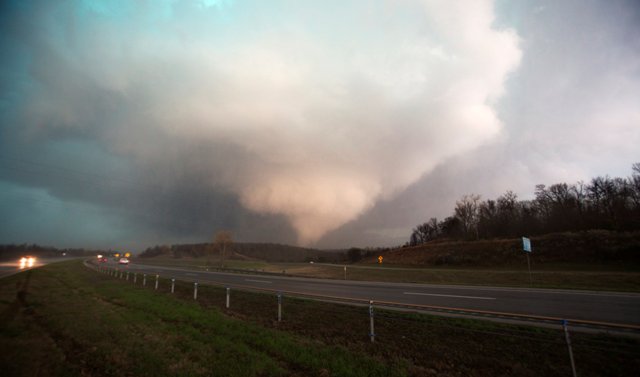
(103, 260)
(123, 261)
(27, 262)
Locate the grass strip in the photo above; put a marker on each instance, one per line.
(87, 324)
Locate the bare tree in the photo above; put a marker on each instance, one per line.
(602, 203)
(467, 212)
(223, 240)
(425, 232)
(634, 181)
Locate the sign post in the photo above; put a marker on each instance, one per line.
(279, 307)
(568, 340)
(372, 334)
(526, 246)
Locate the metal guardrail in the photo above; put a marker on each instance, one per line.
(425, 308)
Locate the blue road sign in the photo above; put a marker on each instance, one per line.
(526, 244)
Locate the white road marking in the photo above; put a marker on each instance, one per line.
(456, 296)
(190, 274)
(258, 281)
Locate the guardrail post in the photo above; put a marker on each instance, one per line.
(173, 285)
(279, 307)
(195, 290)
(144, 280)
(568, 339)
(127, 276)
(345, 272)
(135, 278)
(228, 296)
(372, 334)
(157, 277)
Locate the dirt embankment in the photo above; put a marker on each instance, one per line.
(591, 247)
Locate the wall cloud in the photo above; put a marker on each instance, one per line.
(314, 111)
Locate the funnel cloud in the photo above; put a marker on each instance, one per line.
(280, 119)
(321, 116)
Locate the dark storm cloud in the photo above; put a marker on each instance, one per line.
(246, 114)
(347, 123)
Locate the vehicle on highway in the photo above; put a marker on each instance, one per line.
(123, 261)
(27, 262)
(103, 260)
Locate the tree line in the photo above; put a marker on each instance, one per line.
(602, 203)
(12, 251)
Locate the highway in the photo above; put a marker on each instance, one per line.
(10, 267)
(603, 307)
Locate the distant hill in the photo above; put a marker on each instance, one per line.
(589, 247)
(263, 251)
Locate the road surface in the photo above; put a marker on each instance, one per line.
(10, 267)
(604, 307)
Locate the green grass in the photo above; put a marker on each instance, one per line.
(74, 321)
(612, 277)
(83, 323)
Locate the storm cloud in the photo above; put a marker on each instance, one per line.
(286, 121)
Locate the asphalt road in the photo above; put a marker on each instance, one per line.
(605, 307)
(11, 267)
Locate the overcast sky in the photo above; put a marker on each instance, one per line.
(331, 124)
